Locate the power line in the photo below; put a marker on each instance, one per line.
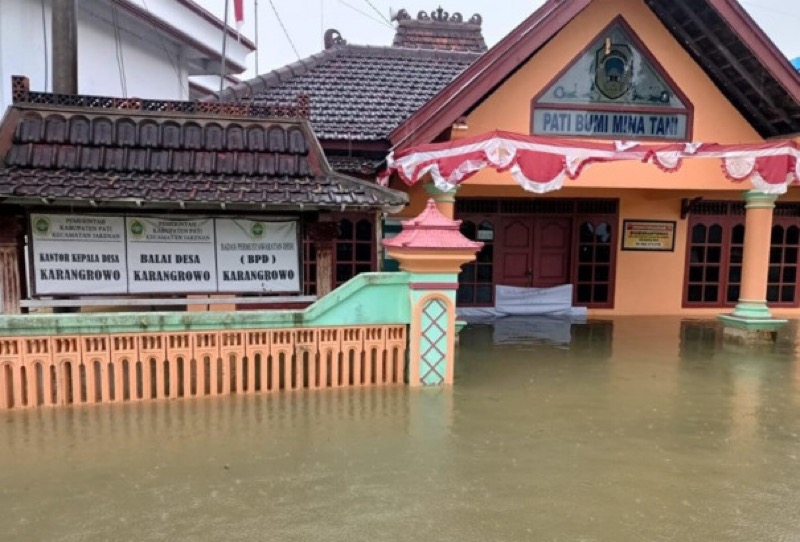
(379, 12)
(46, 53)
(169, 55)
(118, 44)
(285, 32)
(255, 18)
(223, 56)
(365, 14)
(771, 10)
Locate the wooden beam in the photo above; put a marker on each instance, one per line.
(732, 90)
(732, 60)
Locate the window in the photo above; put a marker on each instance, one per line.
(353, 252)
(782, 278)
(476, 280)
(354, 249)
(593, 277)
(714, 254)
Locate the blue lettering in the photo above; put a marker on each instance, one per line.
(566, 124)
(618, 126)
(638, 123)
(546, 122)
(672, 126)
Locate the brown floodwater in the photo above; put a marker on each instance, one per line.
(627, 429)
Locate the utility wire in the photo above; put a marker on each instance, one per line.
(46, 52)
(223, 56)
(365, 14)
(285, 32)
(255, 19)
(118, 44)
(771, 10)
(379, 12)
(169, 55)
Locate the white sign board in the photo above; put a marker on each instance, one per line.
(88, 255)
(257, 256)
(621, 125)
(78, 254)
(168, 255)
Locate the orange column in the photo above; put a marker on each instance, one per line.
(751, 320)
(445, 201)
(755, 262)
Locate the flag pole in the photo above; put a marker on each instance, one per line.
(224, 47)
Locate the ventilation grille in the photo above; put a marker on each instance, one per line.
(787, 209)
(598, 207)
(537, 206)
(717, 208)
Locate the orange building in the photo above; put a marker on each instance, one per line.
(651, 71)
(615, 70)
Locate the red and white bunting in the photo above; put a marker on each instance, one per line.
(543, 164)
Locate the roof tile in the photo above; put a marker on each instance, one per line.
(357, 92)
(112, 155)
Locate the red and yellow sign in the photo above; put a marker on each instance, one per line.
(648, 235)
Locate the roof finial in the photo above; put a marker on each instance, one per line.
(333, 38)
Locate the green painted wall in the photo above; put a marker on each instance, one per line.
(367, 299)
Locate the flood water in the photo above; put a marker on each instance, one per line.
(627, 429)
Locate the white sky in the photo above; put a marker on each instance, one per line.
(359, 23)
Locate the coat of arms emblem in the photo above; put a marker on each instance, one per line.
(613, 70)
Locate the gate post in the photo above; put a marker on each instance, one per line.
(431, 248)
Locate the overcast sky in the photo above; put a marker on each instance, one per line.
(366, 22)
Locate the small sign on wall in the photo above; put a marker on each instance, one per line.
(650, 235)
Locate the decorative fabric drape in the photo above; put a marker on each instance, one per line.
(543, 164)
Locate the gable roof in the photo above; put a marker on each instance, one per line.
(361, 93)
(357, 92)
(97, 150)
(741, 60)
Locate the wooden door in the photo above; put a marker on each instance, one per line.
(515, 252)
(552, 249)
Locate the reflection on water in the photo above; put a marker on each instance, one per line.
(631, 429)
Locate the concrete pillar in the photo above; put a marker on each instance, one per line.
(751, 320)
(323, 235)
(432, 250)
(11, 246)
(445, 201)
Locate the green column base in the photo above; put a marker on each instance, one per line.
(752, 310)
(751, 324)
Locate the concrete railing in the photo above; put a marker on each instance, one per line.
(65, 359)
(102, 368)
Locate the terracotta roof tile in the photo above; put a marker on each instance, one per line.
(358, 92)
(72, 153)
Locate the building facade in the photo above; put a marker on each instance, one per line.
(219, 199)
(625, 71)
(160, 49)
(613, 71)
